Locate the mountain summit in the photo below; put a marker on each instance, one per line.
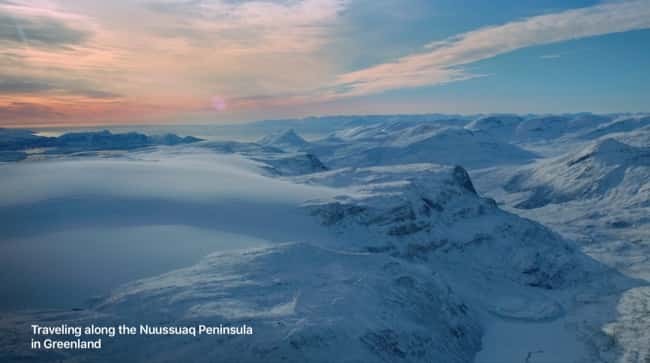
(287, 140)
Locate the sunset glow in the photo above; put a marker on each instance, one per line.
(94, 62)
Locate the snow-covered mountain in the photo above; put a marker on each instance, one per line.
(14, 143)
(608, 169)
(105, 140)
(498, 126)
(383, 255)
(408, 264)
(552, 127)
(305, 303)
(533, 129)
(330, 124)
(11, 138)
(597, 194)
(424, 211)
(287, 140)
(621, 124)
(420, 143)
(20, 141)
(274, 159)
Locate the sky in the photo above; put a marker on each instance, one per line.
(90, 62)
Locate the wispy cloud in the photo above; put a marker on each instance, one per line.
(23, 110)
(550, 56)
(31, 26)
(443, 61)
(10, 84)
(253, 26)
(119, 61)
(176, 57)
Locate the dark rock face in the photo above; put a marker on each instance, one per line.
(462, 177)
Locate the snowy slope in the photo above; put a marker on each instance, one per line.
(287, 140)
(499, 126)
(608, 169)
(598, 196)
(304, 303)
(424, 211)
(276, 161)
(621, 124)
(329, 124)
(637, 137)
(553, 127)
(403, 264)
(421, 143)
(385, 257)
(531, 128)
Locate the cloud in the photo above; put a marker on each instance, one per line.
(252, 26)
(443, 60)
(118, 61)
(25, 26)
(21, 85)
(25, 84)
(550, 56)
(177, 56)
(23, 110)
(160, 175)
